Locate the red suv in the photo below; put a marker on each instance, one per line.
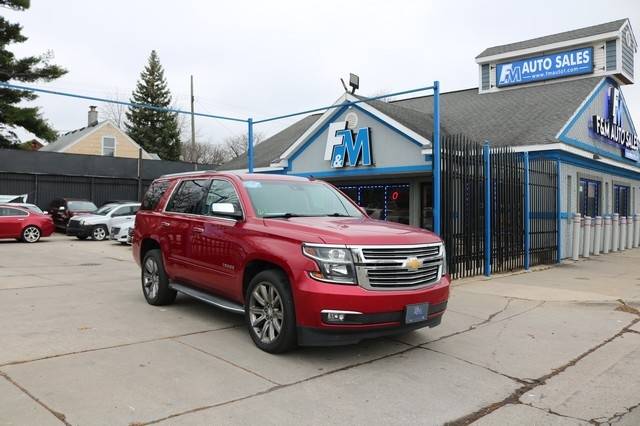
(295, 256)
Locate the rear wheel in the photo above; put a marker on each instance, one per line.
(31, 234)
(155, 283)
(99, 233)
(269, 313)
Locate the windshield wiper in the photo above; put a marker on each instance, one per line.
(336, 214)
(282, 215)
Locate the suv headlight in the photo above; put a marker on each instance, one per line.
(445, 268)
(335, 263)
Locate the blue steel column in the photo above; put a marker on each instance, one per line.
(250, 146)
(486, 155)
(558, 216)
(527, 207)
(436, 158)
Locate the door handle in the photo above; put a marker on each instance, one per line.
(165, 224)
(197, 229)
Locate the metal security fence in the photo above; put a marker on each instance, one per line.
(462, 205)
(499, 211)
(48, 175)
(543, 189)
(507, 208)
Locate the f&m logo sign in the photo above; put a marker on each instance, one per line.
(343, 150)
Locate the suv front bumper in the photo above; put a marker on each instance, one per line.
(382, 313)
(74, 229)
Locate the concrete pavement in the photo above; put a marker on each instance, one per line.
(556, 346)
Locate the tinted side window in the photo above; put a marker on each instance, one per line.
(189, 196)
(8, 211)
(221, 191)
(154, 194)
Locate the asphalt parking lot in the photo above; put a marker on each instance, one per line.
(81, 346)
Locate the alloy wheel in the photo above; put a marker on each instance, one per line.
(31, 234)
(266, 312)
(151, 278)
(99, 233)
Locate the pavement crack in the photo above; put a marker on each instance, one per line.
(57, 414)
(617, 416)
(471, 327)
(515, 379)
(514, 397)
(122, 345)
(229, 362)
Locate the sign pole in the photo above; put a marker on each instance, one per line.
(436, 158)
(250, 146)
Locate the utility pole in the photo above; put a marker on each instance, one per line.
(193, 126)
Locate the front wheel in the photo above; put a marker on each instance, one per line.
(99, 233)
(269, 312)
(31, 234)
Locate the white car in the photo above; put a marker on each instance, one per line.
(120, 229)
(98, 224)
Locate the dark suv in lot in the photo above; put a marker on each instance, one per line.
(302, 262)
(63, 209)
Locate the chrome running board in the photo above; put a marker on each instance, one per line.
(219, 302)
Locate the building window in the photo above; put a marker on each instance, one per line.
(589, 197)
(382, 202)
(109, 146)
(621, 200)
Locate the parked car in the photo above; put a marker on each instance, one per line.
(24, 224)
(301, 261)
(63, 209)
(120, 229)
(98, 224)
(29, 206)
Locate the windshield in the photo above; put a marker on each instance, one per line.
(291, 199)
(33, 208)
(106, 209)
(81, 206)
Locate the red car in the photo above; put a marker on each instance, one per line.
(302, 262)
(24, 223)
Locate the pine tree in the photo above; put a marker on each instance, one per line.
(156, 131)
(28, 69)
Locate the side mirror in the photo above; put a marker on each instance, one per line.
(225, 209)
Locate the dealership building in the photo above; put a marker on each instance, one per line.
(559, 97)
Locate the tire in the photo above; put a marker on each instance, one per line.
(82, 237)
(99, 233)
(155, 283)
(268, 303)
(31, 234)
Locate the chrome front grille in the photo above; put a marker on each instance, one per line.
(400, 253)
(398, 267)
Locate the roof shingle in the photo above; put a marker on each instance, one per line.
(554, 38)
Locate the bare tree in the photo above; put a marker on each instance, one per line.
(114, 111)
(204, 153)
(237, 145)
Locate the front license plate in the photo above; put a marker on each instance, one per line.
(416, 313)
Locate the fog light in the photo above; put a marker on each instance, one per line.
(332, 316)
(340, 317)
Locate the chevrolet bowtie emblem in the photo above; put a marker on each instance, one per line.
(412, 263)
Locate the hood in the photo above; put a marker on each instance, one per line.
(350, 231)
(123, 222)
(90, 218)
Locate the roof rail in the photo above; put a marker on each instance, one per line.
(195, 172)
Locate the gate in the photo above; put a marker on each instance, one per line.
(462, 206)
(543, 190)
(507, 210)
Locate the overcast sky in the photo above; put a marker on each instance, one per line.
(264, 58)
